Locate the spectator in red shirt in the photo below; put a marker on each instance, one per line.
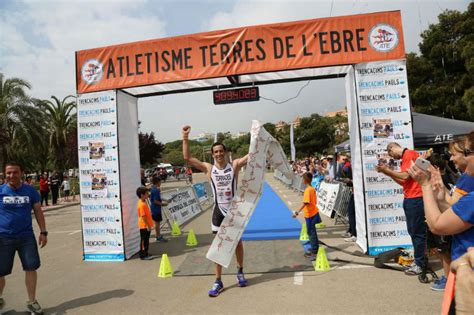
(44, 189)
(412, 202)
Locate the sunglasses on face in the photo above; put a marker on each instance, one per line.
(467, 152)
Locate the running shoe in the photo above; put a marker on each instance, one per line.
(414, 270)
(241, 279)
(346, 235)
(34, 307)
(162, 239)
(217, 288)
(406, 267)
(309, 255)
(439, 284)
(148, 257)
(351, 239)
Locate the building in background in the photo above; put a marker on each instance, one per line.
(203, 137)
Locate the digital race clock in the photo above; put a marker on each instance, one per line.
(249, 94)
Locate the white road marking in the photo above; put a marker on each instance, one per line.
(354, 266)
(298, 278)
(70, 232)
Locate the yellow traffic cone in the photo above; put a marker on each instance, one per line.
(304, 233)
(191, 241)
(320, 225)
(166, 271)
(321, 263)
(175, 230)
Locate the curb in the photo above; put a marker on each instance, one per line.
(62, 206)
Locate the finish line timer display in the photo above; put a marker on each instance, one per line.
(249, 94)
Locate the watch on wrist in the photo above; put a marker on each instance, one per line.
(45, 233)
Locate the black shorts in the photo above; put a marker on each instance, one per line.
(217, 218)
(66, 193)
(157, 217)
(441, 243)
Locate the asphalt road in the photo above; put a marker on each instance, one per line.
(68, 285)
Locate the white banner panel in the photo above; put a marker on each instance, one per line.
(384, 117)
(129, 154)
(292, 143)
(99, 176)
(263, 147)
(356, 160)
(183, 204)
(327, 196)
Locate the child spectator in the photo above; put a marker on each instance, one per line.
(145, 222)
(310, 214)
(29, 180)
(156, 203)
(66, 188)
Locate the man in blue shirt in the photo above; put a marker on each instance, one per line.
(156, 203)
(16, 231)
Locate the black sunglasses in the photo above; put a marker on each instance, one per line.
(467, 152)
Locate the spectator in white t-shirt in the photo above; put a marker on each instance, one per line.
(66, 188)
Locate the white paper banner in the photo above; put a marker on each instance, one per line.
(327, 196)
(183, 206)
(384, 117)
(263, 147)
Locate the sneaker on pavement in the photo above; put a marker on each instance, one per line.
(309, 255)
(406, 267)
(351, 239)
(217, 288)
(346, 235)
(439, 284)
(149, 257)
(34, 307)
(414, 270)
(241, 279)
(162, 239)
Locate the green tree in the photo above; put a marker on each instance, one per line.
(315, 134)
(150, 148)
(60, 121)
(174, 157)
(283, 136)
(20, 127)
(444, 72)
(271, 128)
(223, 136)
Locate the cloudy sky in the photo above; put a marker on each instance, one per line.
(39, 38)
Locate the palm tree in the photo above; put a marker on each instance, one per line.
(19, 125)
(60, 121)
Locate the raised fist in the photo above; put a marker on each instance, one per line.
(186, 131)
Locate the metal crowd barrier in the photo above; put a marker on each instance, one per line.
(298, 184)
(342, 201)
(279, 175)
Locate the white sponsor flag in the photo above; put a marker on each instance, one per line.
(263, 147)
(292, 144)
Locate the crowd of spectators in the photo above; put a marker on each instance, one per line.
(438, 202)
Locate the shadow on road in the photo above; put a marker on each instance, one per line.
(79, 302)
